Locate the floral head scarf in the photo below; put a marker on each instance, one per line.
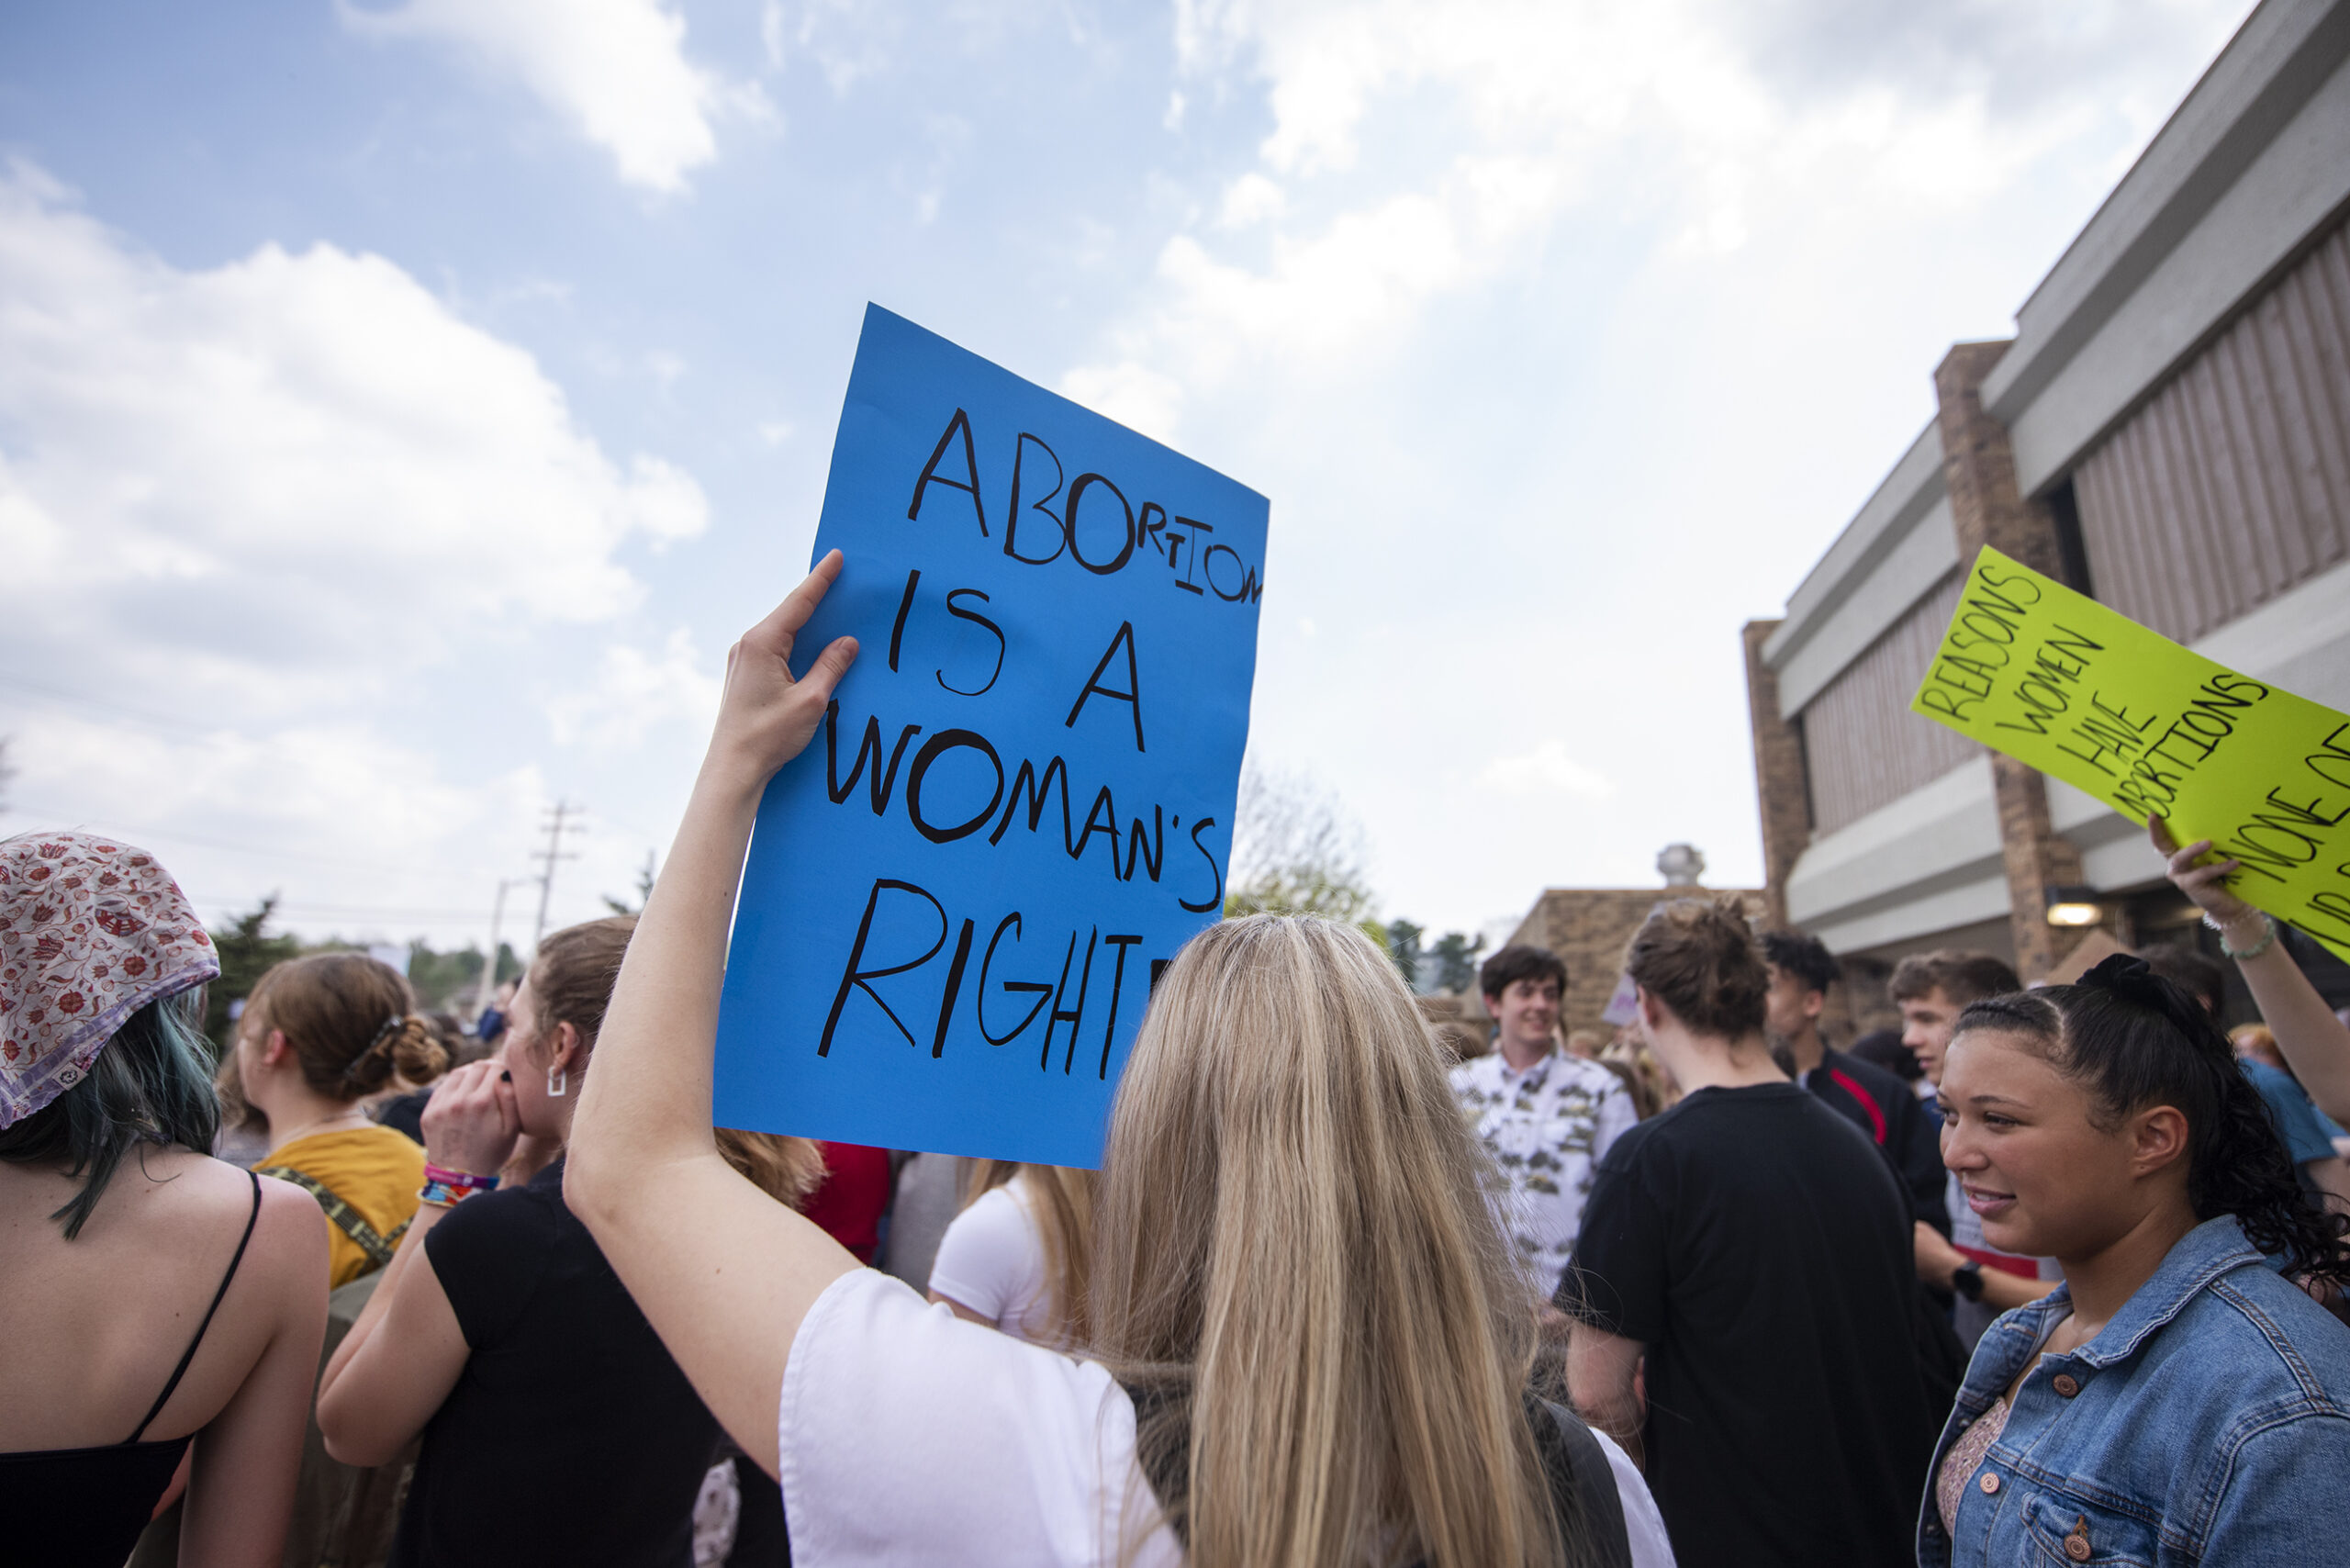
(91, 931)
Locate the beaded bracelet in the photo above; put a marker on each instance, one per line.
(2266, 941)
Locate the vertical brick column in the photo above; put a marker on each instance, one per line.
(1979, 469)
(1781, 790)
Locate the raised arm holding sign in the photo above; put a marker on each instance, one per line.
(2057, 680)
(1019, 802)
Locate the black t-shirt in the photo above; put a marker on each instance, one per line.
(1897, 1120)
(1758, 1246)
(571, 1437)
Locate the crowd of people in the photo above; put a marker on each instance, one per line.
(2058, 1273)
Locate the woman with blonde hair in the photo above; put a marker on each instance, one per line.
(1019, 1256)
(319, 1036)
(1310, 1346)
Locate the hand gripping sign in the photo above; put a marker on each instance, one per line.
(2082, 693)
(1019, 803)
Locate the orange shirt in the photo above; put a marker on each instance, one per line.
(374, 1171)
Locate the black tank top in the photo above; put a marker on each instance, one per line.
(84, 1507)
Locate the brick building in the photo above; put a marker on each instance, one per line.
(2167, 430)
(1588, 928)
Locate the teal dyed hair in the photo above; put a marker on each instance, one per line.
(152, 1084)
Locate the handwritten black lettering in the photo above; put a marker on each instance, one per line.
(905, 607)
(1117, 984)
(1035, 988)
(1214, 899)
(932, 750)
(878, 785)
(854, 978)
(962, 614)
(953, 988)
(1124, 637)
(969, 485)
(1063, 1013)
(1012, 521)
(1126, 541)
(2330, 761)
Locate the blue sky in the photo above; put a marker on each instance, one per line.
(403, 405)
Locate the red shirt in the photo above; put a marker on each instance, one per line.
(851, 1199)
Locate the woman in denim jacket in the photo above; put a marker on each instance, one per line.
(2177, 1400)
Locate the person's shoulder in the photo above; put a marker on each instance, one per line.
(2247, 1352)
(996, 1215)
(1588, 1076)
(1666, 1135)
(1881, 1086)
(1477, 1072)
(2253, 1315)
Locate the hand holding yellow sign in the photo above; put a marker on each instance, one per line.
(2060, 682)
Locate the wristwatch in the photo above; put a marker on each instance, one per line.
(1967, 1279)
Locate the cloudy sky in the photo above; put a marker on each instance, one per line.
(403, 405)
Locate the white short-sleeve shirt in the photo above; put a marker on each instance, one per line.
(991, 1259)
(908, 1436)
(1548, 1127)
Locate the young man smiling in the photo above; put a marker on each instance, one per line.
(1548, 1116)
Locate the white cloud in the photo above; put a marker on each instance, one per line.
(635, 691)
(616, 69)
(1519, 113)
(266, 525)
(362, 834)
(771, 33)
(1545, 770)
(1249, 201)
(346, 476)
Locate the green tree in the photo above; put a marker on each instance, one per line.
(645, 880)
(1404, 947)
(246, 951)
(1455, 961)
(447, 980)
(1295, 850)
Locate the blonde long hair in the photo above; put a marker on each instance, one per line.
(1293, 1242)
(1062, 1204)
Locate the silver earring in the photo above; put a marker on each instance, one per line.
(558, 1081)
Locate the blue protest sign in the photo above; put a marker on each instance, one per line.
(1021, 802)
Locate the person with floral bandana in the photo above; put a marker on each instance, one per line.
(1547, 1117)
(137, 1272)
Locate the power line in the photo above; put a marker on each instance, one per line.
(168, 836)
(137, 718)
(554, 852)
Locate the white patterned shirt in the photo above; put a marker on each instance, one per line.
(1548, 1128)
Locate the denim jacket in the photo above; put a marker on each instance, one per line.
(2209, 1422)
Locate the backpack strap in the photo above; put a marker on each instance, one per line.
(379, 1248)
(1582, 1484)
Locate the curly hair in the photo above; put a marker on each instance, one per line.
(2135, 1039)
